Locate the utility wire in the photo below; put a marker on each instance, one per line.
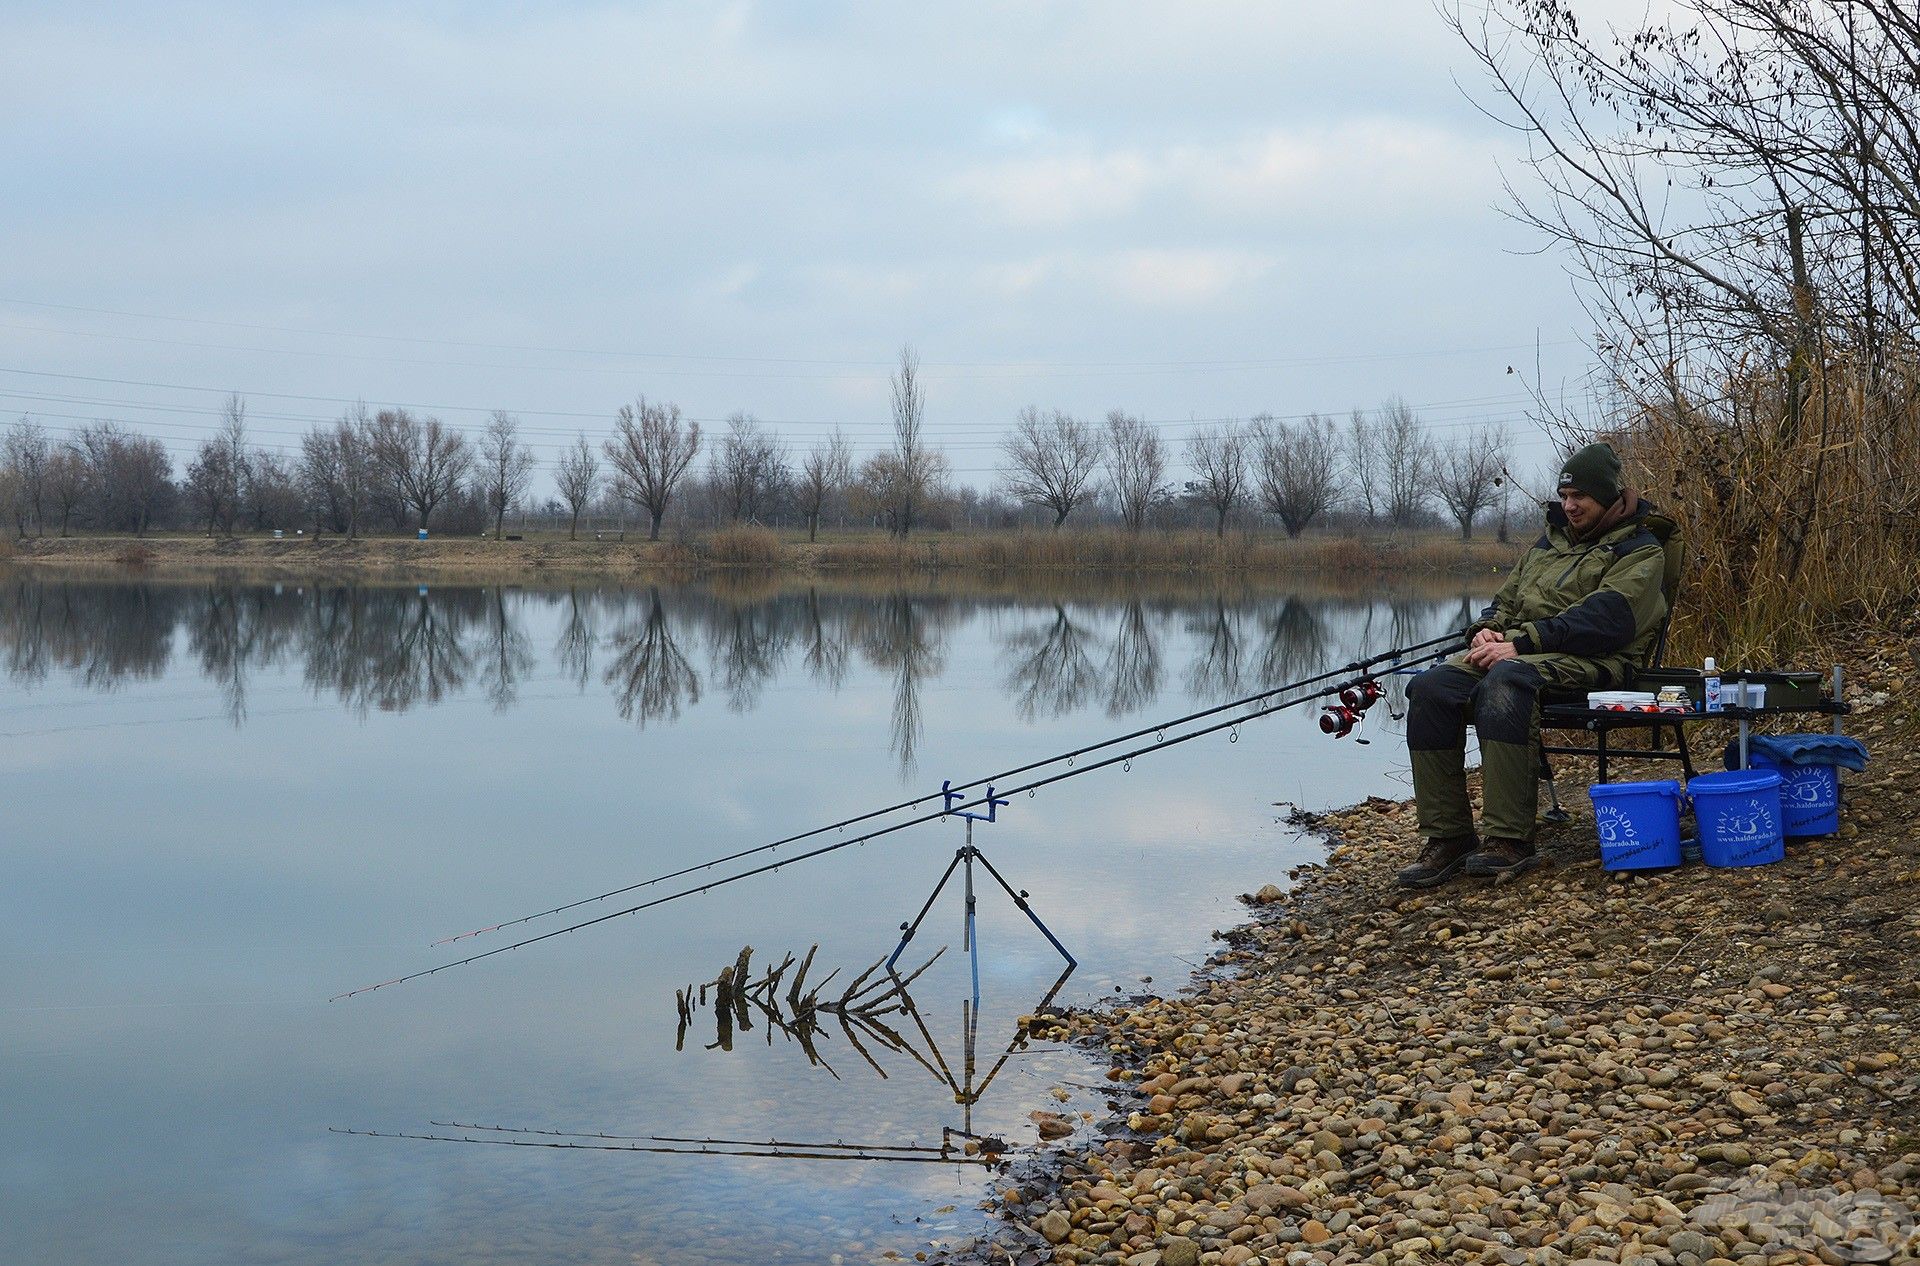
(1357, 666)
(981, 802)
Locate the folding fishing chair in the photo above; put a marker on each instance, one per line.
(1673, 549)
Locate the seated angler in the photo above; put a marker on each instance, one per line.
(1581, 609)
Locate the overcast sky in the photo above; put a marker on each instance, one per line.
(1190, 211)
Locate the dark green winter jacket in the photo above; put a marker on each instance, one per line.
(1600, 600)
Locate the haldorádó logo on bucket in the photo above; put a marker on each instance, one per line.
(1847, 1226)
(1806, 790)
(1617, 834)
(1614, 826)
(1751, 826)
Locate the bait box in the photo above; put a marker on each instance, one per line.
(1692, 680)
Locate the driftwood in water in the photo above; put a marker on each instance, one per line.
(796, 1016)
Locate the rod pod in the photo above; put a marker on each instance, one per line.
(964, 859)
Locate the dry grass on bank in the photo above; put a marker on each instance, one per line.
(1195, 552)
(742, 549)
(1796, 525)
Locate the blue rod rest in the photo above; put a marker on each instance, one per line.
(950, 797)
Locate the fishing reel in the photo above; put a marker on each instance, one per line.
(1349, 716)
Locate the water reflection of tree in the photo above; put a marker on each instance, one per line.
(427, 657)
(1133, 664)
(823, 642)
(1218, 670)
(904, 635)
(748, 643)
(508, 654)
(104, 634)
(236, 630)
(1296, 643)
(1052, 674)
(651, 679)
(579, 637)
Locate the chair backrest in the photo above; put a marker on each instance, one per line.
(1673, 547)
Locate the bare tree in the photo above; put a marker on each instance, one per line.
(1361, 447)
(1406, 461)
(144, 474)
(1296, 468)
(212, 489)
(128, 479)
(913, 461)
(881, 487)
(333, 472)
(1467, 478)
(578, 475)
(1136, 464)
(27, 454)
(825, 473)
(1737, 181)
(506, 467)
(234, 466)
(423, 460)
(750, 470)
(1218, 456)
(66, 484)
(1049, 461)
(650, 453)
(353, 441)
(321, 484)
(272, 491)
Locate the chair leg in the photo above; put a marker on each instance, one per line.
(1686, 753)
(1554, 814)
(1601, 738)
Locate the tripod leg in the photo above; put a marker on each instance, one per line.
(1020, 900)
(968, 933)
(908, 929)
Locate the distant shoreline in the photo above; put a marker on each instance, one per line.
(754, 552)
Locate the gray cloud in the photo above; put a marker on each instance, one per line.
(1052, 202)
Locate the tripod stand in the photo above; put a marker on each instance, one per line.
(963, 861)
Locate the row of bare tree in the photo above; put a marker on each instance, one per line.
(390, 469)
(1383, 465)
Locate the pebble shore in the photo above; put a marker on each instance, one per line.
(1688, 1068)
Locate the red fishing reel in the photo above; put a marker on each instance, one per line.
(1362, 696)
(1350, 714)
(1340, 721)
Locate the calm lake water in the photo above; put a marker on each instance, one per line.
(228, 803)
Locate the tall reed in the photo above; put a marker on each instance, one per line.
(1797, 519)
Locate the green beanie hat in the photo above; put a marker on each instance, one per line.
(1594, 470)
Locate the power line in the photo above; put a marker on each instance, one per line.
(1022, 366)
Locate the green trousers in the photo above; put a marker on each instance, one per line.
(1503, 706)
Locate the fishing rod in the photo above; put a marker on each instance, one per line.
(603, 1137)
(1122, 758)
(785, 1153)
(1356, 666)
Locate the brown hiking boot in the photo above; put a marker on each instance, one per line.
(1499, 857)
(1439, 861)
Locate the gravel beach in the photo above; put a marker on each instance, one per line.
(1688, 1067)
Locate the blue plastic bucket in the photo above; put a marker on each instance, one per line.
(1638, 823)
(1809, 797)
(1738, 815)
